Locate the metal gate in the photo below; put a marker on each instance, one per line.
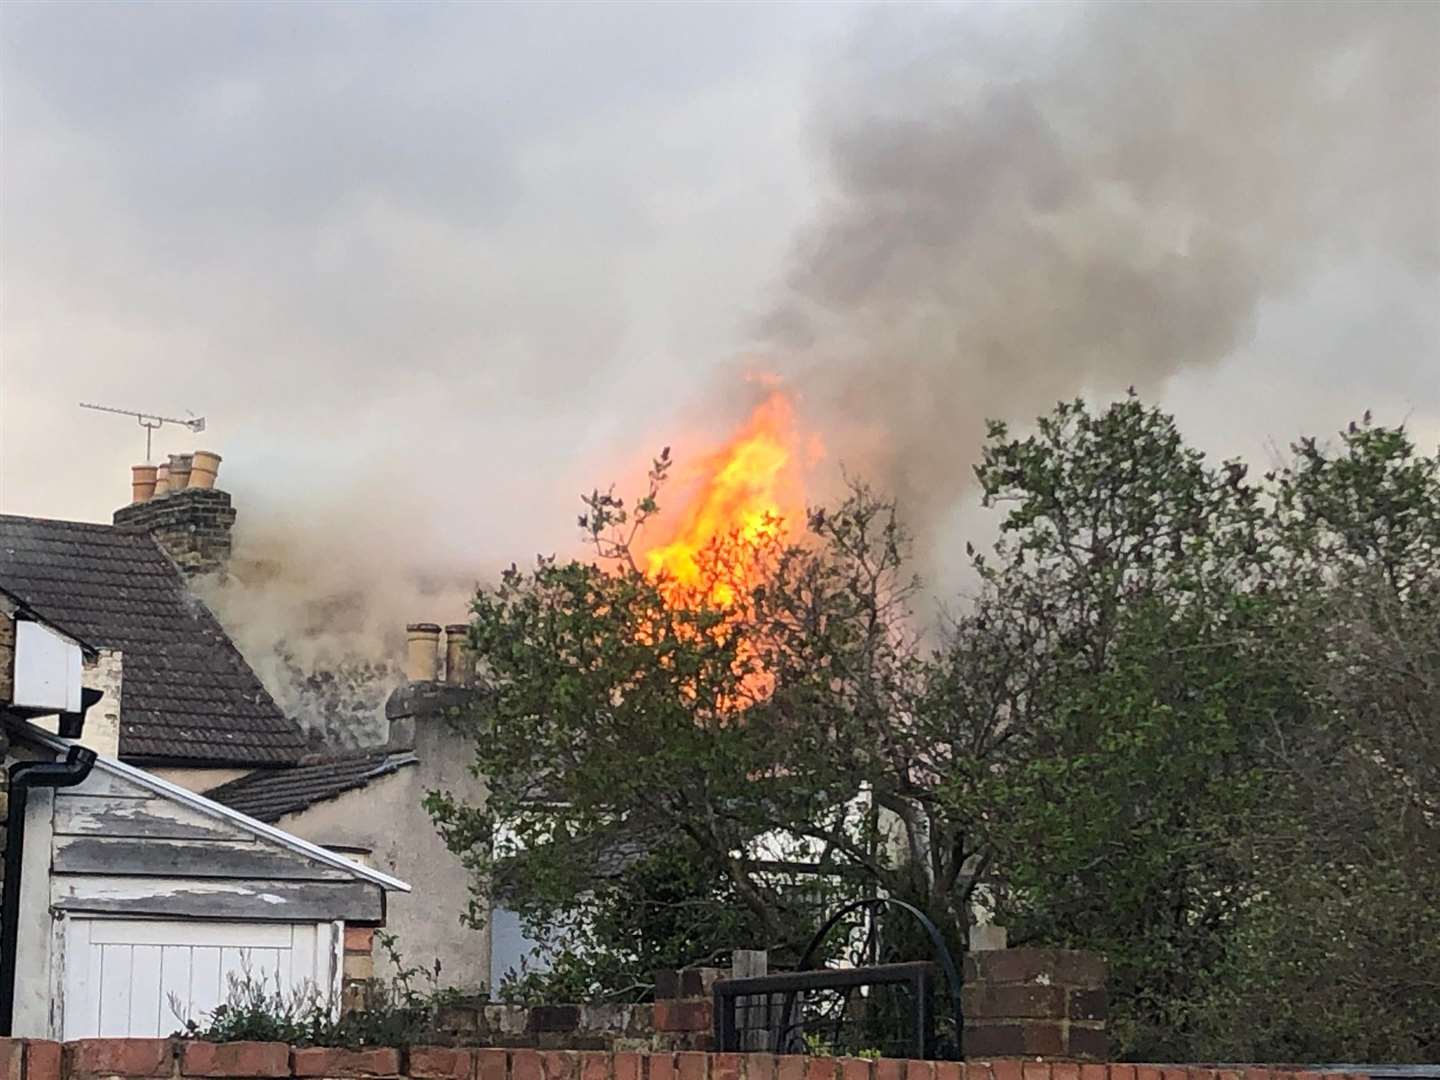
(872, 1009)
(832, 1010)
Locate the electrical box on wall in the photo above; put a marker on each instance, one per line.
(47, 669)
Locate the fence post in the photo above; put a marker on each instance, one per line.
(745, 964)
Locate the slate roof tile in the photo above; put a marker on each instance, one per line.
(187, 694)
(270, 795)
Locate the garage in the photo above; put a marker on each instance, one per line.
(137, 900)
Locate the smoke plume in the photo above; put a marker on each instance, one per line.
(1032, 203)
(1022, 207)
(430, 271)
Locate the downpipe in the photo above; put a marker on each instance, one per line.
(25, 775)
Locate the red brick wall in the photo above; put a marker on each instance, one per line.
(177, 1059)
(1042, 1002)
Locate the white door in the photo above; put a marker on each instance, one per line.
(134, 977)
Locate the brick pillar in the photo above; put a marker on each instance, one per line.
(192, 526)
(1035, 1003)
(7, 662)
(684, 1011)
(358, 967)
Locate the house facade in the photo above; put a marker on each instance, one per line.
(370, 805)
(178, 700)
(127, 902)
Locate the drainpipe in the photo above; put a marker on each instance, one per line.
(25, 775)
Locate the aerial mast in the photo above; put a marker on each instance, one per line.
(151, 422)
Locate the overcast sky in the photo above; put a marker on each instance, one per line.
(429, 270)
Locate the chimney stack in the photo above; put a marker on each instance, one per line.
(422, 645)
(438, 690)
(192, 523)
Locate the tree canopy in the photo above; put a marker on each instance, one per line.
(1189, 717)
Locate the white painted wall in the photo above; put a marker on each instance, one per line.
(386, 817)
(106, 673)
(198, 780)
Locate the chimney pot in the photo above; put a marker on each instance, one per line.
(162, 481)
(180, 471)
(458, 660)
(422, 642)
(204, 467)
(142, 483)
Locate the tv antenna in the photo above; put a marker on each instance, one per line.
(151, 421)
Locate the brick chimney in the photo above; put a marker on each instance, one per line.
(191, 524)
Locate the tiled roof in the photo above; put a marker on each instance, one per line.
(270, 795)
(187, 695)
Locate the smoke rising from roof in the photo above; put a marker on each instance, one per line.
(430, 271)
(1027, 206)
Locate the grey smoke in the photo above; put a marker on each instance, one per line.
(1031, 203)
(432, 270)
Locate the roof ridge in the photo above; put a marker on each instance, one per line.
(341, 757)
(66, 521)
(270, 794)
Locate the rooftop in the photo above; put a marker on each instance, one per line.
(269, 796)
(188, 696)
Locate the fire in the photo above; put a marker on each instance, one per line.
(749, 493)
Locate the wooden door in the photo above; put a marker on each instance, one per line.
(146, 977)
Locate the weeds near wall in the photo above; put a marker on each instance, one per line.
(397, 1011)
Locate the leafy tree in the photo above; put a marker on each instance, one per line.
(1189, 718)
(623, 721)
(1223, 783)
(1125, 561)
(1338, 953)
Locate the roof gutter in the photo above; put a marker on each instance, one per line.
(25, 775)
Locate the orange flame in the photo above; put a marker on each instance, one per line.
(749, 492)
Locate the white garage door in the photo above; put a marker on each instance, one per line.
(128, 977)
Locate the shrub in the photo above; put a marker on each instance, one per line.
(393, 1012)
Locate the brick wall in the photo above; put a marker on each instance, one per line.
(561, 1027)
(7, 652)
(682, 1018)
(175, 1059)
(193, 526)
(1035, 1001)
(357, 966)
(1016, 1002)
